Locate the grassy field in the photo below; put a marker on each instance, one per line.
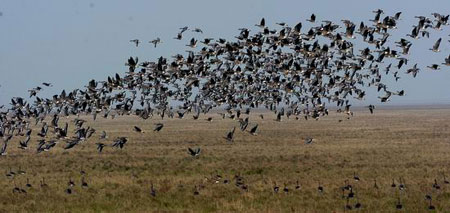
(392, 144)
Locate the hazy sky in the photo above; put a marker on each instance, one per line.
(68, 43)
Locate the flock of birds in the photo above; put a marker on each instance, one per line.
(349, 189)
(290, 71)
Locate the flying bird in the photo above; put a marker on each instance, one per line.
(447, 61)
(155, 41)
(371, 108)
(138, 129)
(197, 30)
(230, 135)
(194, 152)
(135, 41)
(436, 45)
(253, 130)
(312, 18)
(158, 127)
(100, 147)
(192, 43)
(262, 23)
(434, 67)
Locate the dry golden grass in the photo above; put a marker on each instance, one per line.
(413, 144)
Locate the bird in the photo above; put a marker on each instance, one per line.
(155, 41)
(71, 143)
(320, 188)
(152, 190)
(285, 189)
(197, 30)
(413, 71)
(414, 33)
(135, 41)
(138, 129)
(71, 183)
(297, 185)
(355, 177)
(347, 204)
(84, 184)
(158, 127)
(3, 149)
(312, 18)
(430, 206)
(447, 61)
(436, 185)
(399, 204)
(43, 183)
(179, 36)
(184, 29)
(436, 45)
(371, 108)
(401, 185)
(230, 135)
(196, 191)
(192, 43)
(276, 188)
(24, 144)
(262, 23)
(308, 140)
(386, 97)
(194, 152)
(132, 64)
(100, 147)
(434, 67)
(103, 135)
(358, 205)
(351, 194)
(28, 185)
(253, 130)
(393, 185)
(68, 191)
(278, 117)
(16, 189)
(243, 123)
(21, 172)
(119, 142)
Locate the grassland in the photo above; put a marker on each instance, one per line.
(412, 144)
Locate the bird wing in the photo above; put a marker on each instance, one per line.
(192, 152)
(254, 128)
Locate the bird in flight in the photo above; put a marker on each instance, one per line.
(135, 41)
(156, 41)
(371, 108)
(197, 30)
(436, 45)
(194, 152)
(158, 127)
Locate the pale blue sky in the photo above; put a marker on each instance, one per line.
(68, 43)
